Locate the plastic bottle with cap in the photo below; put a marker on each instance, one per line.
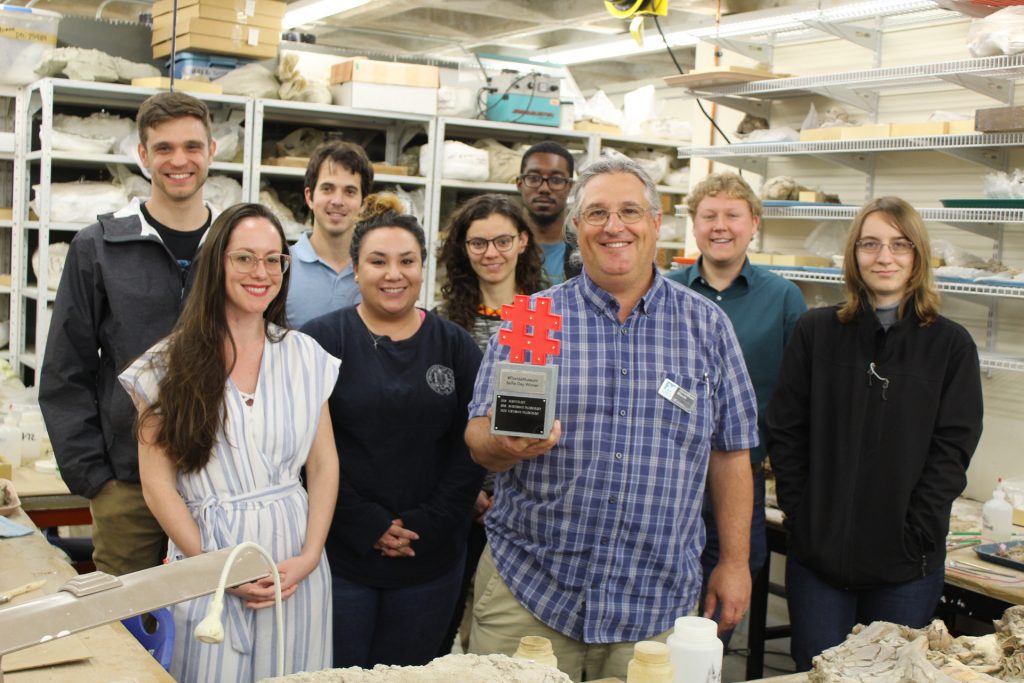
(32, 432)
(696, 651)
(651, 663)
(10, 441)
(997, 517)
(537, 649)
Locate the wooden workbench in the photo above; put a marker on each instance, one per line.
(47, 500)
(116, 655)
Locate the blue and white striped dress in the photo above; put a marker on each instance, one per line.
(250, 491)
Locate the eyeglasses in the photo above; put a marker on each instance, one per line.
(555, 182)
(896, 247)
(627, 214)
(478, 245)
(245, 262)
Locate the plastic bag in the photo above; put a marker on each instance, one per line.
(1002, 185)
(782, 134)
(827, 238)
(134, 186)
(600, 108)
(251, 80)
(503, 161)
(1000, 33)
(227, 135)
(461, 161)
(655, 164)
(222, 191)
(81, 202)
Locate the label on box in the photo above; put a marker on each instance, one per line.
(15, 33)
(250, 7)
(254, 36)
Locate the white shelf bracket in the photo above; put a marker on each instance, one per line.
(863, 163)
(748, 106)
(758, 165)
(862, 99)
(762, 52)
(858, 35)
(996, 88)
(990, 158)
(989, 230)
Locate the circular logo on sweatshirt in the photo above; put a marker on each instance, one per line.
(441, 379)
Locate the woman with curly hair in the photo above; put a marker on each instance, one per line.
(398, 538)
(489, 257)
(232, 405)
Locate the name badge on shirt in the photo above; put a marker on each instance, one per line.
(677, 395)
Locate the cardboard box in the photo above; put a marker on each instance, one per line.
(592, 126)
(1018, 516)
(204, 43)
(760, 259)
(820, 134)
(960, 127)
(800, 260)
(236, 33)
(1000, 120)
(404, 98)
(363, 70)
(6, 214)
(909, 130)
(866, 132)
(811, 196)
(268, 8)
(164, 83)
(6, 471)
(217, 14)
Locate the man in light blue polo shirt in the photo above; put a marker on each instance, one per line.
(338, 177)
(763, 309)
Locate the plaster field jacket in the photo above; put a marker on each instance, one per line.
(870, 434)
(121, 291)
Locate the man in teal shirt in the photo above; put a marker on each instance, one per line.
(545, 178)
(763, 308)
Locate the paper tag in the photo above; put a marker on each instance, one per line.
(677, 395)
(254, 37)
(250, 7)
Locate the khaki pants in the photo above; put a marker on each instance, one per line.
(499, 621)
(125, 536)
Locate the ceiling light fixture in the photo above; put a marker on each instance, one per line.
(308, 11)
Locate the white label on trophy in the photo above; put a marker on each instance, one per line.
(677, 395)
(522, 381)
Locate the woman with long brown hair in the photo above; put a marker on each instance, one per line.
(232, 406)
(398, 538)
(872, 425)
(489, 256)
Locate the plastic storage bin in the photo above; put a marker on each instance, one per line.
(211, 67)
(25, 35)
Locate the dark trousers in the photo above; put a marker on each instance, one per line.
(821, 615)
(712, 547)
(402, 626)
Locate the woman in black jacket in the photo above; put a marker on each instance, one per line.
(875, 417)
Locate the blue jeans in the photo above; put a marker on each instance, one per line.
(822, 615)
(758, 543)
(402, 626)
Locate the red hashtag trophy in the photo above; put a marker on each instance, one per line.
(524, 395)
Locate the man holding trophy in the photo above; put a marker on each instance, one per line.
(595, 535)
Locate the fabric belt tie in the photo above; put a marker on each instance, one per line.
(212, 513)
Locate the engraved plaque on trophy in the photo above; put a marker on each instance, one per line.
(524, 393)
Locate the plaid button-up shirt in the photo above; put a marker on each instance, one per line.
(601, 537)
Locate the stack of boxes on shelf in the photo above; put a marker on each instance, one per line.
(391, 86)
(235, 28)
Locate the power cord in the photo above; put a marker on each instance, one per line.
(482, 110)
(680, 70)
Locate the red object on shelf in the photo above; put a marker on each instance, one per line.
(684, 260)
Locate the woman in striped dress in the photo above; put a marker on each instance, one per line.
(231, 406)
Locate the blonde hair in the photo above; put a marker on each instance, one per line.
(920, 287)
(728, 184)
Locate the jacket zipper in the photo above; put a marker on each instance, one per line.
(872, 375)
